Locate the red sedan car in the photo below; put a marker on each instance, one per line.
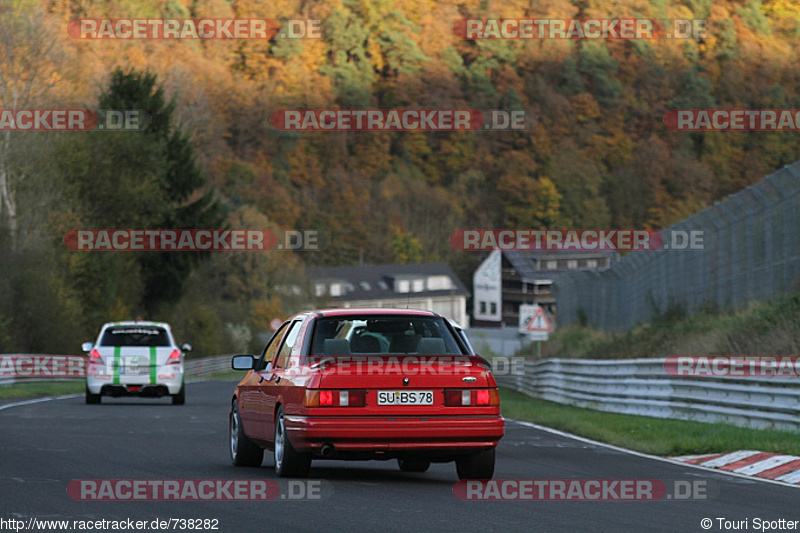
(361, 384)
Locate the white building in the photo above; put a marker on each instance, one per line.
(429, 286)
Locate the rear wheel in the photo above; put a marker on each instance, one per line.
(288, 461)
(413, 466)
(243, 451)
(476, 466)
(92, 398)
(180, 398)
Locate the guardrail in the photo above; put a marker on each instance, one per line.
(643, 387)
(207, 365)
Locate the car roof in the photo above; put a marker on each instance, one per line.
(377, 311)
(137, 323)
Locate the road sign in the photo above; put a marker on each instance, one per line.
(275, 323)
(534, 323)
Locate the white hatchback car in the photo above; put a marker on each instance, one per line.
(135, 358)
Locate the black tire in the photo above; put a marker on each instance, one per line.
(180, 398)
(244, 452)
(288, 461)
(476, 466)
(413, 466)
(92, 399)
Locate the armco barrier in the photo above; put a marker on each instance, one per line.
(643, 387)
(207, 365)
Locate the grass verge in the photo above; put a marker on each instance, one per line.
(655, 436)
(770, 327)
(40, 388)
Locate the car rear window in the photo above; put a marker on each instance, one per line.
(135, 336)
(383, 335)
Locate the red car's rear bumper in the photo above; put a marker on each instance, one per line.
(393, 434)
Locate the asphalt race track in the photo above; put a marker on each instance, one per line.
(45, 445)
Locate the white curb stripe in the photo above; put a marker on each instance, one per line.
(793, 477)
(728, 459)
(766, 464)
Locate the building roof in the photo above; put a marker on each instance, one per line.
(377, 282)
(526, 262)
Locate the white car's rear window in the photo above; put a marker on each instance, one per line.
(135, 336)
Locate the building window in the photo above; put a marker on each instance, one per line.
(572, 263)
(403, 285)
(418, 285)
(336, 289)
(591, 263)
(319, 289)
(364, 286)
(439, 283)
(552, 265)
(493, 307)
(483, 307)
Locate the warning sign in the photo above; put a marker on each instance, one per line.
(534, 323)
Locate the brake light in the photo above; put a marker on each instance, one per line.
(468, 397)
(482, 397)
(335, 398)
(174, 358)
(326, 397)
(94, 356)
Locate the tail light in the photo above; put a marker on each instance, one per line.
(94, 357)
(174, 358)
(335, 398)
(471, 397)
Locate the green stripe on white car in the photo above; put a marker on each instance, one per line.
(153, 365)
(115, 364)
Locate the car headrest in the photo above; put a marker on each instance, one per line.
(337, 347)
(431, 346)
(365, 344)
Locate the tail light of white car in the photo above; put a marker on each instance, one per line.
(174, 358)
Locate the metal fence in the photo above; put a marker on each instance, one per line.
(751, 252)
(643, 387)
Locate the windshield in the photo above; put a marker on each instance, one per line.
(383, 335)
(135, 336)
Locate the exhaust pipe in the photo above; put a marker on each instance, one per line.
(326, 450)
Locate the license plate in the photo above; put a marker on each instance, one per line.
(132, 366)
(405, 397)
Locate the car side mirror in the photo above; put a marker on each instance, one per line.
(243, 362)
(186, 347)
(87, 346)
